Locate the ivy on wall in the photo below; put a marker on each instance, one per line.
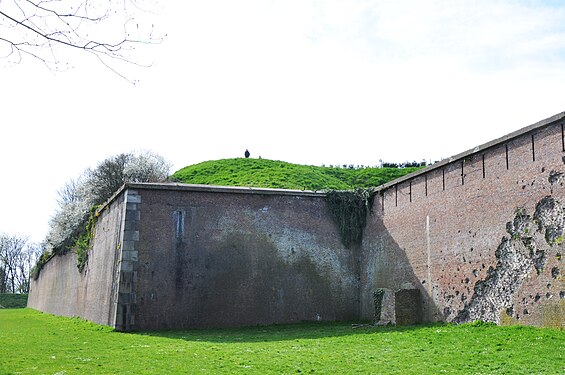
(349, 209)
(41, 261)
(378, 295)
(82, 243)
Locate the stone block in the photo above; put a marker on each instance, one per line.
(131, 235)
(133, 215)
(129, 256)
(126, 266)
(128, 246)
(388, 307)
(408, 306)
(133, 198)
(126, 281)
(131, 225)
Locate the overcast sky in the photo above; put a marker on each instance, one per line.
(309, 82)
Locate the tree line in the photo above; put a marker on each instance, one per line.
(17, 257)
(383, 164)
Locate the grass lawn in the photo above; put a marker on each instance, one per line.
(36, 343)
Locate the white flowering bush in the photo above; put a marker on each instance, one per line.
(146, 167)
(78, 197)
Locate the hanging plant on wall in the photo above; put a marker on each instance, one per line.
(82, 243)
(349, 210)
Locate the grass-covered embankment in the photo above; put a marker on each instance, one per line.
(12, 301)
(266, 173)
(33, 343)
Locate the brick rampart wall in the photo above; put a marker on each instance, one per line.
(480, 236)
(240, 257)
(445, 232)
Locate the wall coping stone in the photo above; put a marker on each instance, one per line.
(528, 129)
(168, 186)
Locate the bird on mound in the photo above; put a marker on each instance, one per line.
(247, 154)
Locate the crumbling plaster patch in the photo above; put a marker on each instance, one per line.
(527, 248)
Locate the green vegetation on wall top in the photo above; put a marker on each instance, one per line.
(265, 173)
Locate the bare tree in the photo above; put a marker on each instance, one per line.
(68, 193)
(24, 264)
(108, 30)
(12, 249)
(3, 275)
(108, 177)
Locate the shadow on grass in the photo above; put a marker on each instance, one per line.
(283, 332)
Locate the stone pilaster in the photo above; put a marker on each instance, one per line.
(126, 301)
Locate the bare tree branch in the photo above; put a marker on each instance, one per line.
(108, 30)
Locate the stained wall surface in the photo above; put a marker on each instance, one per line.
(232, 257)
(62, 290)
(479, 235)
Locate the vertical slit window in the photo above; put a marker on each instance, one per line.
(484, 170)
(426, 183)
(410, 193)
(533, 149)
(443, 178)
(396, 195)
(179, 225)
(562, 138)
(462, 172)
(506, 149)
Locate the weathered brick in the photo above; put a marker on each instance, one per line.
(485, 225)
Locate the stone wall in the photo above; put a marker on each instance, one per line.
(62, 290)
(480, 235)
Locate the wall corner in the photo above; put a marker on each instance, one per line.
(127, 263)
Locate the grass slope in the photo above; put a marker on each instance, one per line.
(36, 343)
(279, 174)
(12, 301)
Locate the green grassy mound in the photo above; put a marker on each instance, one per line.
(13, 301)
(266, 173)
